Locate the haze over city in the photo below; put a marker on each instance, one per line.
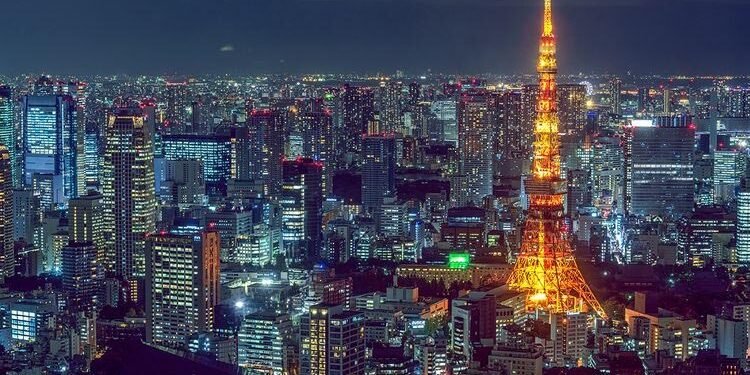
(343, 36)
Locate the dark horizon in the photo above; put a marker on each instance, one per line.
(332, 36)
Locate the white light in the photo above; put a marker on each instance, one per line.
(266, 282)
(643, 123)
(239, 305)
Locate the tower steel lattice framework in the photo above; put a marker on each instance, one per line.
(546, 269)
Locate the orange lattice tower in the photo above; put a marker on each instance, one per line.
(546, 269)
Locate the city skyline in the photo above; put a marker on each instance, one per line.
(305, 36)
(405, 222)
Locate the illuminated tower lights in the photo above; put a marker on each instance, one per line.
(546, 269)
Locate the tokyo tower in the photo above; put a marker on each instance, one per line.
(546, 269)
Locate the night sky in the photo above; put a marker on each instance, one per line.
(291, 36)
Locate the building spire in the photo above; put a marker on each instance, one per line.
(547, 31)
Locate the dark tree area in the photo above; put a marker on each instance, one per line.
(20, 283)
(129, 309)
(571, 371)
(134, 357)
(435, 288)
(373, 280)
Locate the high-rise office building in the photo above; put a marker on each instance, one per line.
(7, 252)
(433, 355)
(259, 246)
(92, 154)
(86, 224)
(239, 151)
(178, 103)
(332, 341)
(389, 106)
(517, 359)
(473, 322)
(378, 170)
(697, 235)
(477, 117)
(728, 167)
(25, 214)
(644, 99)
(735, 102)
(266, 129)
(356, 111)
(571, 106)
(731, 337)
(743, 222)
(128, 192)
(81, 275)
(232, 225)
(568, 334)
(317, 135)
(214, 152)
(264, 343)
(606, 171)
(659, 167)
(301, 208)
(51, 143)
(446, 124)
(184, 184)
(513, 140)
(182, 285)
(8, 130)
(615, 91)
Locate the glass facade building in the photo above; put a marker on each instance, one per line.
(214, 151)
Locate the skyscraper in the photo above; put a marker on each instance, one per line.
(615, 91)
(301, 208)
(357, 110)
(389, 106)
(92, 154)
(51, 142)
(698, 233)
(81, 275)
(317, 135)
(477, 117)
(659, 167)
(444, 112)
(514, 140)
(182, 285)
(332, 341)
(86, 225)
(178, 102)
(128, 192)
(473, 322)
(729, 167)
(7, 253)
(378, 169)
(214, 151)
(743, 222)
(266, 130)
(8, 130)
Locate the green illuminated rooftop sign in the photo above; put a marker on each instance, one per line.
(458, 260)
